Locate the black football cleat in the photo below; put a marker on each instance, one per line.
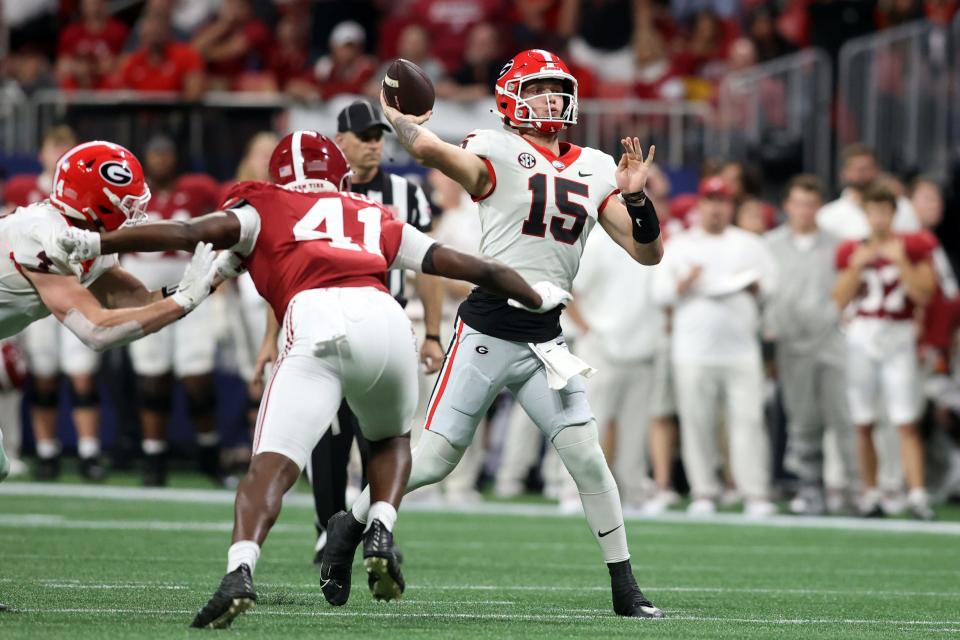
(91, 470)
(47, 469)
(344, 534)
(155, 470)
(234, 596)
(628, 600)
(383, 567)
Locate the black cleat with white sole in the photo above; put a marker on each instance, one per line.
(628, 600)
(234, 596)
(381, 560)
(344, 534)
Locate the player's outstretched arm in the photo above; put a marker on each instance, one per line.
(428, 149)
(632, 222)
(100, 328)
(493, 276)
(221, 229)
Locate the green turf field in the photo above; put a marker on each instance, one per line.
(137, 566)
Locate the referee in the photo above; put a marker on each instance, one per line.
(360, 132)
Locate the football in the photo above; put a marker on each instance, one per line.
(407, 88)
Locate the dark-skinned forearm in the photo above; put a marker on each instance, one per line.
(493, 276)
(219, 230)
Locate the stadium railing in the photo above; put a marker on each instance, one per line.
(778, 113)
(893, 94)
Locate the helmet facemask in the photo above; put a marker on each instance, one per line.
(524, 114)
(134, 208)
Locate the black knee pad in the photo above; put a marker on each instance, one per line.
(45, 398)
(85, 400)
(155, 394)
(201, 404)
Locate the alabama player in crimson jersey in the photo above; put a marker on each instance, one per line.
(320, 258)
(883, 279)
(539, 199)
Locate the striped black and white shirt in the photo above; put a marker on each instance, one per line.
(409, 204)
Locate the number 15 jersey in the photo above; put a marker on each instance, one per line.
(535, 218)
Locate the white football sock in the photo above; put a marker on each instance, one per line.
(433, 460)
(153, 447)
(244, 552)
(579, 448)
(208, 439)
(47, 449)
(88, 447)
(384, 512)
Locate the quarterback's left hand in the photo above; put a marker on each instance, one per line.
(632, 171)
(551, 297)
(79, 245)
(431, 356)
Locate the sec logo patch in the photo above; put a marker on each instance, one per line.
(526, 160)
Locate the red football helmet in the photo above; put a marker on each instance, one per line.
(102, 183)
(309, 161)
(527, 66)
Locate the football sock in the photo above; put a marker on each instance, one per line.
(244, 552)
(384, 512)
(579, 448)
(154, 447)
(88, 447)
(208, 439)
(433, 460)
(47, 449)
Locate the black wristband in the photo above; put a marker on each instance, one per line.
(168, 291)
(434, 337)
(646, 226)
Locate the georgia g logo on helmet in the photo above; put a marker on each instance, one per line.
(116, 173)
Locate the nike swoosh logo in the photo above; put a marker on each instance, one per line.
(584, 175)
(601, 534)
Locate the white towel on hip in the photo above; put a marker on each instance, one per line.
(560, 364)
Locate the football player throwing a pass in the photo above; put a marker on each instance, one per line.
(320, 256)
(539, 199)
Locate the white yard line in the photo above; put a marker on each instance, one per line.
(211, 496)
(677, 617)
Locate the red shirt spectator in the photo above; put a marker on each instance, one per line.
(162, 64)
(449, 21)
(235, 42)
(87, 50)
(288, 60)
(347, 69)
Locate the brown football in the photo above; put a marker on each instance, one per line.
(407, 88)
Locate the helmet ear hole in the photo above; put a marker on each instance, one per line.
(104, 210)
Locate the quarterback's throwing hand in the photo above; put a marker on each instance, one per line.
(392, 114)
(79, 245)
(632, 171)
(551, 297)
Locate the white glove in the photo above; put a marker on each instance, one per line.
(197, 281)
(551, 297)
(79, 245)
(228, 265)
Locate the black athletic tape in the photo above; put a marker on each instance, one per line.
(427, 265)
(201, 405)
(646, 225)
(156, 402)
(84, 400)
(45, 399)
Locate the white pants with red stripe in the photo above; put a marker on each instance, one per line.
(354, 343)
(478, 367)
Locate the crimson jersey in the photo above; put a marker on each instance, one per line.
(881, 293)
(293, 242)
(22, 190)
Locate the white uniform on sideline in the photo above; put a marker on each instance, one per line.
(716, 355)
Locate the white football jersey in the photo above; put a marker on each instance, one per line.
(542, 207)
(28, 240)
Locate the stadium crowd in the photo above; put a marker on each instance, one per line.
(739, 371)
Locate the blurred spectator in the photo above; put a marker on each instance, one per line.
(481, 67)
(685, 9)
(413, 45)
(884, 279)
(844, 217)
(830, 23)
(449, 22)
(235, 42)
(940, 11)
(169, 7)
(707, 41)
(810, 348)
(891, 13)
(30, 69)
(655, 77)
(535, 25)
(762, 31)
(751, 216)
(188, 16)
(600, 33)
(88, 49)
(31, 23)
(714, 277)
(347, 69)
(160, 64)
(289, 61)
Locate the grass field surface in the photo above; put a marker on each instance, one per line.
(100, 563)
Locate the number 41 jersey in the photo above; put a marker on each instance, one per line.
(535, 218)
(293, 241)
